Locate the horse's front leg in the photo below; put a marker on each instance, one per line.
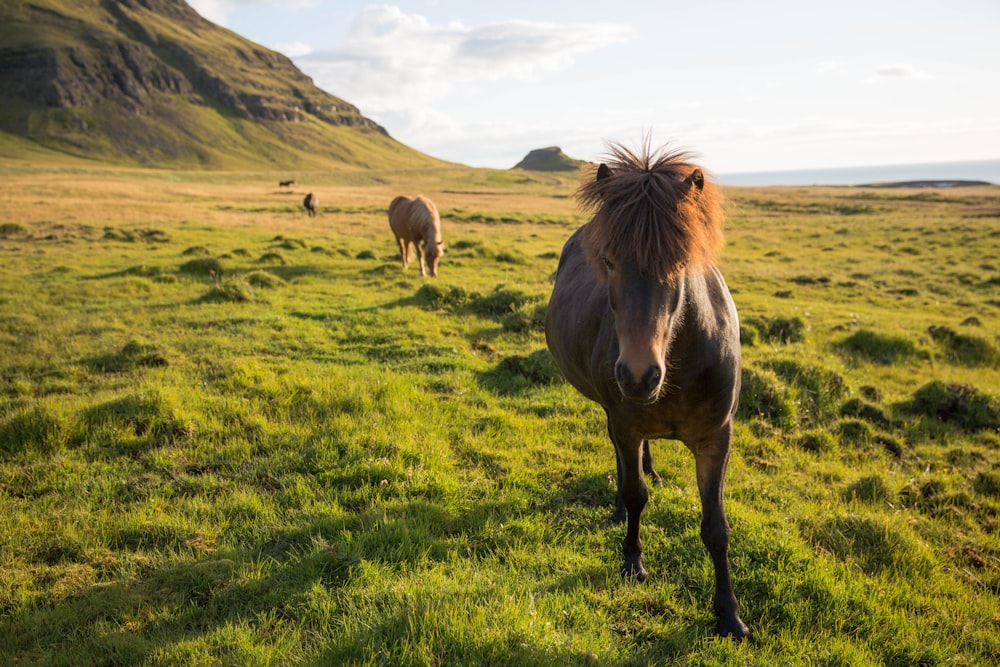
(633, 494)
(420, 256)
(711, 459)
(620, 513)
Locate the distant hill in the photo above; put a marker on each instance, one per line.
(942, 183)
(549, 159)
(151, 82)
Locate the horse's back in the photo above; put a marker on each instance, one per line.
(414, 217)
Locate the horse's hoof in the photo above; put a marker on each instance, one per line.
(633, 569)
(619, 516)
(734, 628)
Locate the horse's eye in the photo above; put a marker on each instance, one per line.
(608, 264)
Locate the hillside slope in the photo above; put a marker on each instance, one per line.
(151, 82)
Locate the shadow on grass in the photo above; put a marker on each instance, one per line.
(132, 356)
(518, 374)
(169, 609)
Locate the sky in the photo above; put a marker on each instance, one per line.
(747, 86)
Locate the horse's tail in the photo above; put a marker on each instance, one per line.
(394, 207)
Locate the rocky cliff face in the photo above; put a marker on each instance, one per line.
(72, 77)
(133, 60)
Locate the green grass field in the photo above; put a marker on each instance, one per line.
(232, 434)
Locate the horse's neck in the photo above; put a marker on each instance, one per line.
(429, 231)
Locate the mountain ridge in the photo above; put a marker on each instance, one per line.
(151, 82)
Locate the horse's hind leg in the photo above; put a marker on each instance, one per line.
(404, 253)
(711, 459)
(647, 464)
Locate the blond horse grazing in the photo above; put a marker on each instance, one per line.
(415, 220)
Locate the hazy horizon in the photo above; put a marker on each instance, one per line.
(752, 87)
(966, 170)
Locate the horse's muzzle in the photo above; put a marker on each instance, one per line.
(644, 389)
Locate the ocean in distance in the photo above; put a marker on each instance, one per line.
(979, 170)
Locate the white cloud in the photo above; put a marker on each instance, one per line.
(897, 71)
(293, 49)
(217, 11)
(396, 63)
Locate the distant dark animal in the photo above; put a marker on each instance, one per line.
(311, 202)
(285, 184)
(642, 322)
(415, 220)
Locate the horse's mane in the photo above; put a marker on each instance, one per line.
(646, 213)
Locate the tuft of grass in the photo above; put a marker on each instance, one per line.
(31, 430)
(860, 409)
(498, 303)
(817, 442)
(134, 420)
(143, 271)
(763, 396)
(987, 484)
(433, 297)
(272, 258)
(875, 546)
(263, 280)
(517, 373)
(961, 405)
(523, 320)
(964, 349)
(206, 267)
(8, 229)
(133, 355)
(870, 489)
(817, 390)
(291, 244)
(777, 329)
(878, 348)
(229, 292)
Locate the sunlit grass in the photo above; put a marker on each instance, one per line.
(230, 433)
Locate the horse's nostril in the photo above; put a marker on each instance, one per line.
(622, 375)
(653, 375)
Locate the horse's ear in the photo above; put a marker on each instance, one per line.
(604, 171)
(696, 178)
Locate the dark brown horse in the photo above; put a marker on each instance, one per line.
(310, 203)
(642, 322)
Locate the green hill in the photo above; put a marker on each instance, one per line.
(151, 82)
(548, 159)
